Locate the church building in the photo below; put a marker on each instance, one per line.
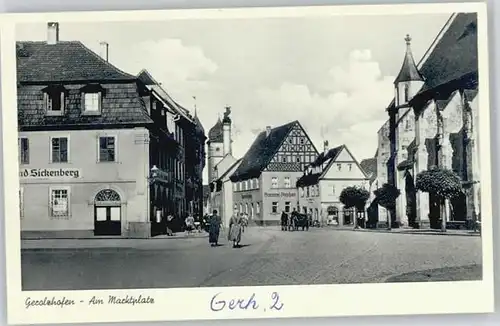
(433, 122)
(264, 182)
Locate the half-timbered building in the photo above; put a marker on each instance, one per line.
(264, 182)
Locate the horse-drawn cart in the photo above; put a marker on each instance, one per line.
(294, 221)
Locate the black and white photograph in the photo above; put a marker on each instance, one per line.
(282, 150)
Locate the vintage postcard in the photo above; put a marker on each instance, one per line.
(247, 163)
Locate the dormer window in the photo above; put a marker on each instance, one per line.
(92, 99)
(92, 102)
(54, 98)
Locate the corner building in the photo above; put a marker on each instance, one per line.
(86, 135)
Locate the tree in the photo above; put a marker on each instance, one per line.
(386, 197)
(442, 183)
(354, 197)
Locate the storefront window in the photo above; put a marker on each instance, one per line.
(59, 202)
(287, 206)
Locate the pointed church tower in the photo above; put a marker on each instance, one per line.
(409, 80)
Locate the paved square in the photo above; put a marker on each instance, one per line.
(268, 257)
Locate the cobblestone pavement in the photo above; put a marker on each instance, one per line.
(268, 257)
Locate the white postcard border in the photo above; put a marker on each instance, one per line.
(299, 301)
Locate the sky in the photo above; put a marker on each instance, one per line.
(333, 74)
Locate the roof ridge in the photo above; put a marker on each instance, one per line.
(104, 61)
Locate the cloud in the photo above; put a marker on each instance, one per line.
(183, 70)
(350, 113)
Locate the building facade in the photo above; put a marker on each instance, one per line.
(90, 136)
(322, 183)
(434, 122)
(221, 164)
(222, 197)
(264, 182)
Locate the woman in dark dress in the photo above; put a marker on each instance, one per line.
(214, 229)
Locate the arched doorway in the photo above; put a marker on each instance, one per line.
(348, 216)
(333, 215)
(107, 213)
(459, 208)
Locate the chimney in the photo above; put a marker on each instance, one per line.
(268, 131)
(325, 146)
(52, 33)
(104, 50)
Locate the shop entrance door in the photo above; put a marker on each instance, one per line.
(107, 213)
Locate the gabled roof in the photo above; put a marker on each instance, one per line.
(146, 77)
(65, 61)
(261, 152)
(369, 165)
(408, 71)
(329, 158)
(230, 169)
(455, 55)
(323, 157)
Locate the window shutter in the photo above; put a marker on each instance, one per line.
(27, 151)
(99, 101)
(82, 95)
(47, 101)
(62, 101)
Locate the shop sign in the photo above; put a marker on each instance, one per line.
(63, 173)
(282, 194)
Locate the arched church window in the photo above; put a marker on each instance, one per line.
(407, 90)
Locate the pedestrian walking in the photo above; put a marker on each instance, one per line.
(214, 224)
(244, 222)
(169, 222)
(284, 221)
(235, 229)
(189, 221)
